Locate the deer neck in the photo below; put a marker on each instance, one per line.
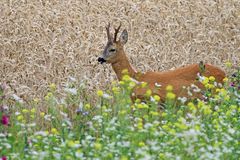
(122, 64)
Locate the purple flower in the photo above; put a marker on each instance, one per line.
(232, 84)
(5, 120)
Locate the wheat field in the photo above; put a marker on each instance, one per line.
(43, 42)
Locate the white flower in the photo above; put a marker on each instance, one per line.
(8, 146)
(182, 99)
(48, 117)
(79, 154)
(157, 84)
(195, 88)
(72, 91)
(2, 135)
(41, 133)
(31, 125)
(16, 98)
(17, 113)
(72, 79)
(107, 96)
(57, 155)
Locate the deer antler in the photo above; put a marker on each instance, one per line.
(108, 32)
(116, 32)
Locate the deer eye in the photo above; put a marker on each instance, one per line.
(112, 50)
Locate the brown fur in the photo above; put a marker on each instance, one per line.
(183, 76)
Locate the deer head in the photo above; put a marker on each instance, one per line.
(114, 48)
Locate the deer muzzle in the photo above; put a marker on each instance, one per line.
(101, 60)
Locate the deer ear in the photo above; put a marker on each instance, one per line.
(124, 37)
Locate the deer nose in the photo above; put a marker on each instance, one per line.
(101, 60)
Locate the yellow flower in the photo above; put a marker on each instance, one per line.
(140, 125)
(228, 113)
(141, 144)
(181, 126)
(105, 114)
(100, 93)
(36, 100)
(115, 90)
(233, 107)
(132, 84)
(227, 98)
(165, 127)
(46, 132)
(161, 156)
(137, 100)
(87, 106)
(200, 104)
(126, 78)
(205, 81)
(98, 146)
(121, 82)
(123, 112)
(170, 95)
(145, 116)
(71, 143)
(142, 106)
(172, 131)
(191, 106)
(104, 107)
(225, 80)
(124, 158)
(48, 96)
(33, 110)
(54, 131)
(148, 93)
(114, 83)
(197, 127)
(206, 110)
(223, 92)
(132, 107)
(154, 113)
(125, 71)
(209, 86)
(169, 88)
(156, 98)
(211, 78)
(52, 86)
(25, 111)
(42, 114)
(228, 64)
(19, 117)
(164, 114)
(144, 84)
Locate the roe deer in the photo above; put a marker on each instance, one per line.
(184, 76)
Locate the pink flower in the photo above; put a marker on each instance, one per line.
(4, 158)
(5, 120)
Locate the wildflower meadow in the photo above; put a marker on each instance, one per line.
(67, 125)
